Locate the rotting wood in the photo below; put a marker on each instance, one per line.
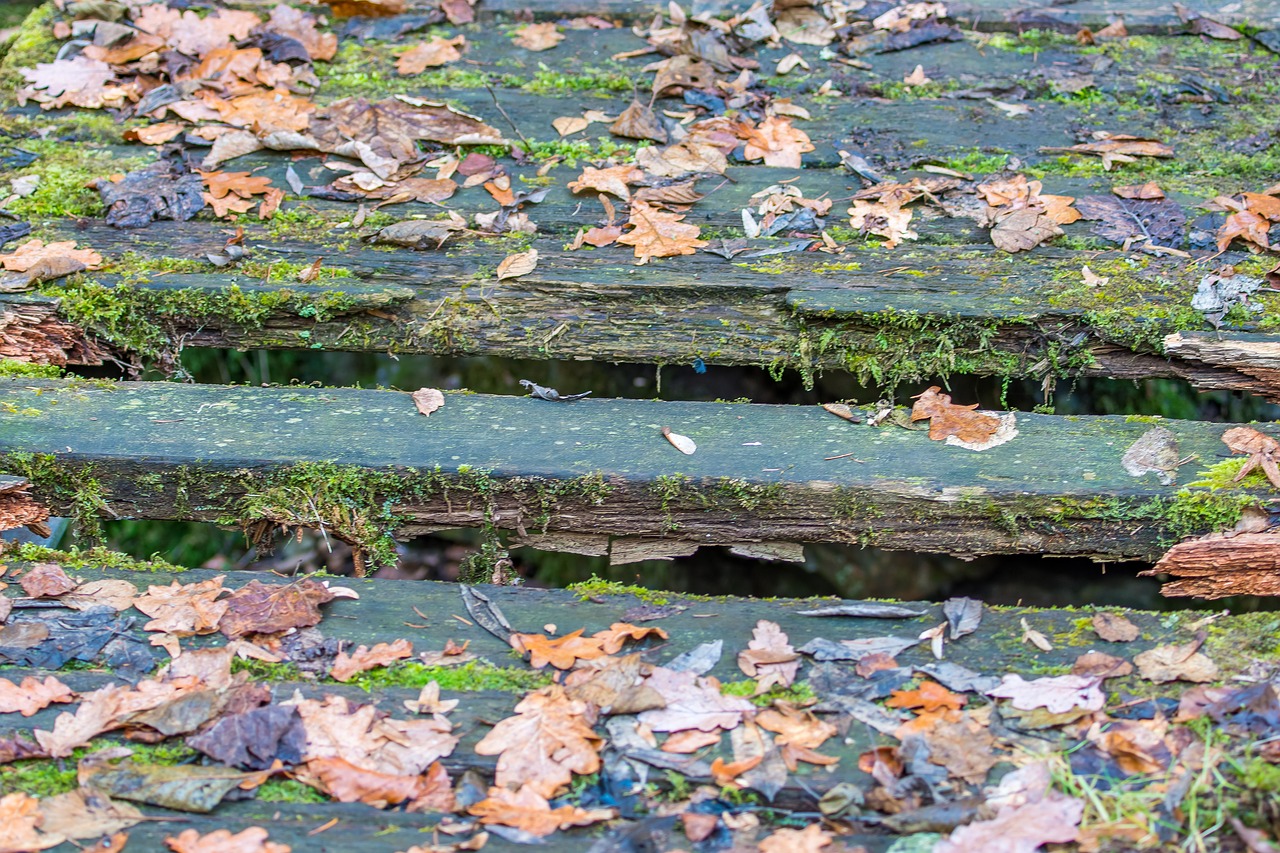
(1222, 566)
(1252, 362)
(31, 331)
(363, 464)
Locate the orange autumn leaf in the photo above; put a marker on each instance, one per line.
(612, 180)
(947, 419)
(724, 774)
(560, 652)
(549, 739)
(887, 757)
(251, 840)
(658, 234)
(430, 54)
(348, 783)
(527, 810)
(929, 696)
(769, 658)
(616, 635)
(1247, 226)
(39, 261)
(537, 37)
(812, 839)
(776, 142)
(345, 666)
(32, 695)
(19, 818)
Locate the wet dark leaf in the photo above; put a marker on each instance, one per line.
(160, 191)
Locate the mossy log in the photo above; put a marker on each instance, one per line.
(364, 465)
(919, 313)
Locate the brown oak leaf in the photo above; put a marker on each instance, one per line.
(549, 739)
(527, 810)
(769, 658)
(259, 608)
(347, 783)
(345, 666)
(537, 36)
(46, 580)
(251, 840)
(36, 261)
(1263, 451)
(430, 54)
(612, 180)
(657, 234)
(184, 609)
(776, 142)
(947, 419)
(32, 695)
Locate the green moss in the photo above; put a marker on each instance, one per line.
(602, 82)
(976, 161)
(89, 558)
(573, 151)
(10, 368)
(33, 44)
(597, 586)
(799, 692)
(470, 677)
(287, 791)
(75, 488)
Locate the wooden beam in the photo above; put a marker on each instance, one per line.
(364, 464)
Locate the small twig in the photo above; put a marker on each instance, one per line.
(489, 89)
(841, 456)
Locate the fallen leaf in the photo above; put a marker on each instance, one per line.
(776, 141)
(886, 219)
(946, 419)
(638, 121)
(259, 608)
(346, 783)
(537, 36)
(1059, 694)
(19, 818)
(658, 234)
(46, 580)
(812, 839)
(518, 264)
(1034, 637)
(683, 443)
(1114, 628)
(1019, 829)
(613, 638)
(1263, 451)
(549, 739)
(301, 27)
(189, 788)
(928, 697)
(184, 609)
(1176, 662)
(251, 840)
(428, 400)
(76, 82)
(1119, 219)
(162, 190)
(612, 180)
(1099, 665)
(769, 658)
(1149, 190)
(32, 695)
(38, 261)
(527, 810)
(1116, 148)
(692, 703)
(255, 739)
(84, 813)
(568, 125)
(154, 134)
(430, 54)
(1021, 230)
(364, 658)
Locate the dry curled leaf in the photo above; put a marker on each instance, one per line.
(37, 261)
(251, 840)
(527, 810)
(518, 264)
(680, 442)
(549, 739)
(1114, 628)
(428, 400)
(430, 54)
(537, 36)
(1263, 451)
(46, 580)
(32, 695)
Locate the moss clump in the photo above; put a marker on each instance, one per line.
(90, 558)
(11, 368)
(470, 677)
(74, 487)
(597, 586)
(799, 693)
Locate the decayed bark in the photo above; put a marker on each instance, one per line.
(1218, 566)
(1251, 364)
(19, 509)
(33, 333)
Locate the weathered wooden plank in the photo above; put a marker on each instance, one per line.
(920, 312)
(424, 612)
(990, 15)
(601, 467)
